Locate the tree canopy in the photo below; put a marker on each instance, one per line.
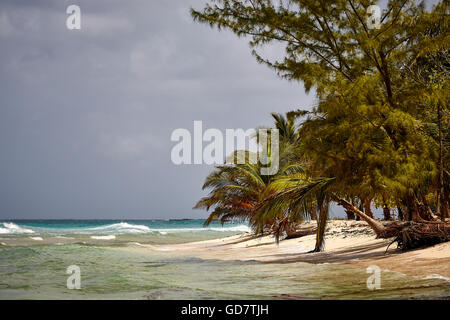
(379, 130)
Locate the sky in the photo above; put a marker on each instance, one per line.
(86, 115)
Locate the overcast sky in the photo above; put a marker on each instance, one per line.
(86, 115)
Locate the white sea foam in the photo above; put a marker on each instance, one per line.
(121, 227)
(437, 276)
(12, 228)
(138, 244)
(36, 238)
(151, 247)
(63, 237)
(141, 245)
(115, 229)
(128, 228)
(111, 237)
(239, 228)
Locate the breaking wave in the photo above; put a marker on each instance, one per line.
(12, 228)
(115, 229)
(128, 228)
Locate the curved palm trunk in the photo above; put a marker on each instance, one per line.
(377, 227)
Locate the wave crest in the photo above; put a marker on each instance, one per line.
(118, 228)
(12, 228)
(127, 228)
(121, 227)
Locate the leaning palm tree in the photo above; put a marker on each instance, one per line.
(292, 194)
(236, 191)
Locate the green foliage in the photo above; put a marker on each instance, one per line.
(380, 127)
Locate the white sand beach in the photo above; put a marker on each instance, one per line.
(347, 242)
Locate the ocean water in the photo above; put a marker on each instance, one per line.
(35, 254)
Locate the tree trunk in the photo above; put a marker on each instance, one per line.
(367, 209)
(445, 205)
(412, 210)
(422, 212)
(387, 213)
(321, 226)
(446, 197)
(426, 211)
(400, 213)
(440, 191)
(350, 215)
(374, 224)
(313, 212)
(361, 208)
(386, 210)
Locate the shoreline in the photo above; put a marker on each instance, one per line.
(350, 243)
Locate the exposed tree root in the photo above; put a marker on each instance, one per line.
(410, 235)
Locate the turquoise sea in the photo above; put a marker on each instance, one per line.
(35, 255)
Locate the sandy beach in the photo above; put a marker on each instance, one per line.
(347, 242)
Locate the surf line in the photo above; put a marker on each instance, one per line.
(209, 311)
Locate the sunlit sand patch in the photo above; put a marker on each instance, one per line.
(111, 237)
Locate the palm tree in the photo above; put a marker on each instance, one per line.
(238, 190)
(235, 192)
(237, 195)
(293, 195)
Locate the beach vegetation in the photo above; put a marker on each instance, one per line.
(378, 134)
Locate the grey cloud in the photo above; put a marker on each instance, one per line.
(86, 116)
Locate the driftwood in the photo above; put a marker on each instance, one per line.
(301, 232)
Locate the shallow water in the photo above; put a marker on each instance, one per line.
(119, 269)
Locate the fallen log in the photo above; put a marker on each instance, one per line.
(302, 232)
